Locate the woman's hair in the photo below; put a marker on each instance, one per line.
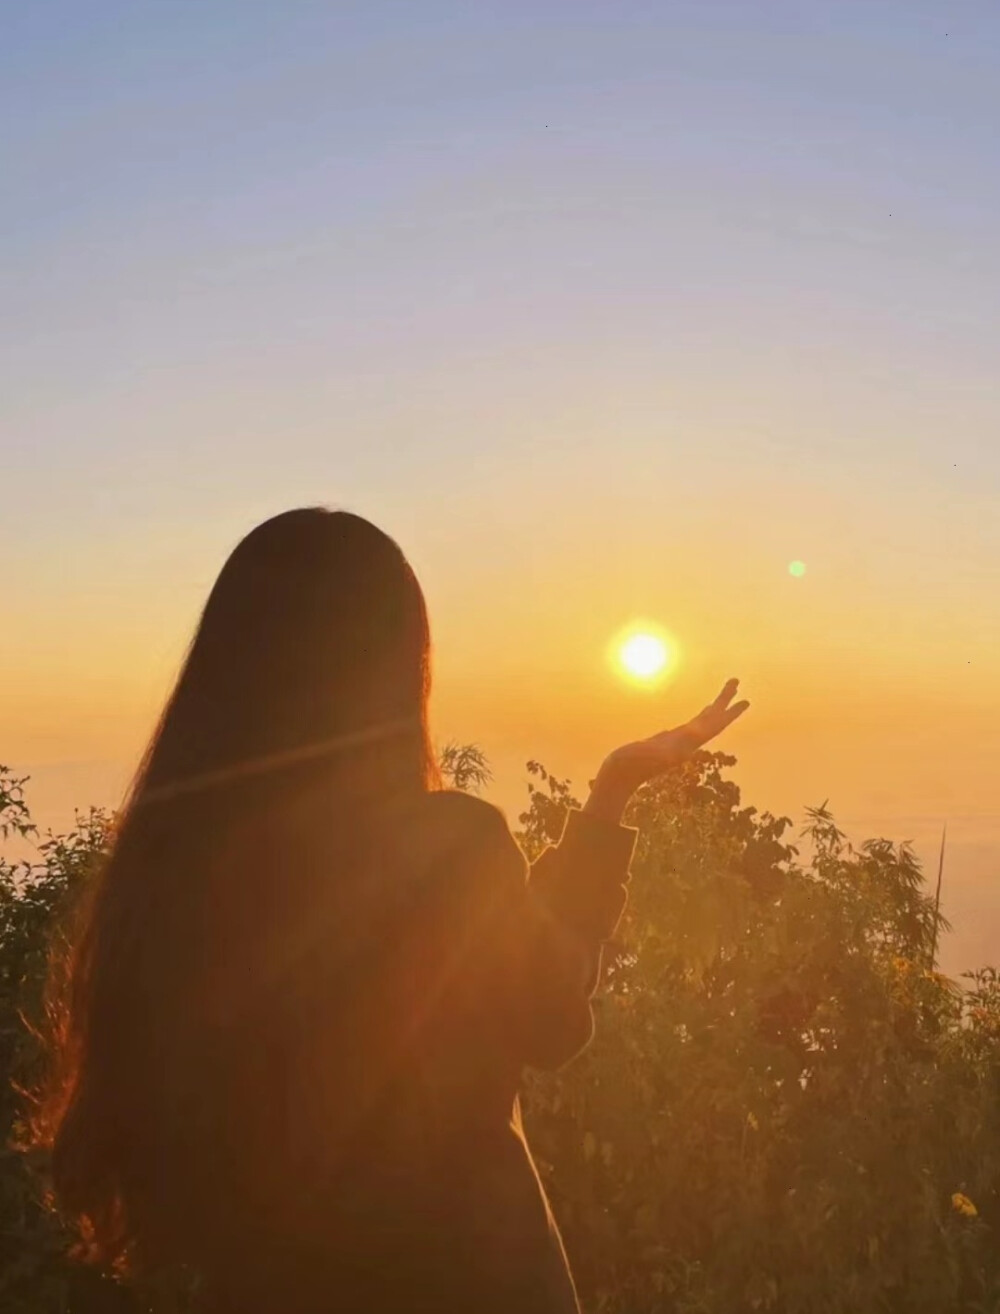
(195, 1065)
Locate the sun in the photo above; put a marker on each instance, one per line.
(644, 655)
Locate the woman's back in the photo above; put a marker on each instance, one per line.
(424, 1196)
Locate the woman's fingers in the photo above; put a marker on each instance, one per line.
(716, 717)
(735, 711)
(709, 722)
(644, 759)
(726, 696)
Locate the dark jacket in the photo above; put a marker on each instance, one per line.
(474, 966)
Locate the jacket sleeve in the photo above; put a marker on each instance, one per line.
(533, 935)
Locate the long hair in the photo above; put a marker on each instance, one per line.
(195, 1069)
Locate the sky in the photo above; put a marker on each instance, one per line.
(604, 311)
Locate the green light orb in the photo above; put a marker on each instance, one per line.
(797, 568)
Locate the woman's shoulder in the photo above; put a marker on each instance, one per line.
(447, 828)
(451, 812)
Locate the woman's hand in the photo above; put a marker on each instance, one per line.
(632, 765)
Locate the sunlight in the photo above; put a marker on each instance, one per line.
(644, 654)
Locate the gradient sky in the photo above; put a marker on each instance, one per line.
(603, 310)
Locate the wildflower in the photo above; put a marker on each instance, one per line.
(963, 1205)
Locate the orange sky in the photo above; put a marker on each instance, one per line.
(889, 715)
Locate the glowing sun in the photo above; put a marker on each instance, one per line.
(644, 656)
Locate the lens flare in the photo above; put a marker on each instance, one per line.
(797, 569)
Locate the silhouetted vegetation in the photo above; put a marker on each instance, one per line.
(785, 1107)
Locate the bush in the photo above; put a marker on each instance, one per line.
(36, 1277)
(785, 1107)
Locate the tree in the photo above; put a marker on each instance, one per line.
(784, 1108)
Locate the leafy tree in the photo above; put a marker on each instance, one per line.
(784, 1107)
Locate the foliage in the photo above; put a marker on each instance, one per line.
(464, 767)
(35, 1276)
(785, 1107)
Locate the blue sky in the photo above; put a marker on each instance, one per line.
(248, 243)
(320, 194)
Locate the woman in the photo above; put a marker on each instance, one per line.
(302, 993)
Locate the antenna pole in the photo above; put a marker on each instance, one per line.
(937, 897)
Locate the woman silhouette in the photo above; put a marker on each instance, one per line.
(304, 987)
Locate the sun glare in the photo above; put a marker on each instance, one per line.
(644, 656)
